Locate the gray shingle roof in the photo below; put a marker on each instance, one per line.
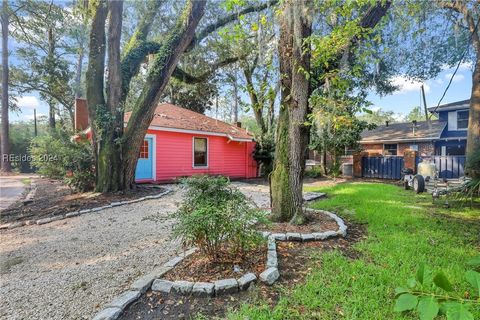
(397, 132)
(464, 104)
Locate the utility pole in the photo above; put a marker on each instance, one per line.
(425, 108)
(35, 121)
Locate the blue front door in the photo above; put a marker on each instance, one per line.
(144, 168)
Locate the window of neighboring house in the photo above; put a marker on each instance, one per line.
(462, 119)
(390, 149)
(200, 156)
(144, 150)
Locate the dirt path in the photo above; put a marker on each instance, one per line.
(69, 268)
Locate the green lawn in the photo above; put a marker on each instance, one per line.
(404, 230)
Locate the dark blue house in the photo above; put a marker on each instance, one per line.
(453, 139)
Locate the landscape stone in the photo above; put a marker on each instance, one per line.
(294, 236)
(272, 260)
(108, 314)
(226, 286)
(143, 283)
(161, 285)
(123, 300)
(270, 275)
(182, 287)
(246, 280)
(72, 214)
(85, 211)
(203, 289)
(280, 236)
(173, 262)
(16, 224)
(271, 244)
(307, 237)
(266, 234)
(47, 220)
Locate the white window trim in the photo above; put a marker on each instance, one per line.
(154, 156)
(193, 153)
(388, 155)
(462, 129)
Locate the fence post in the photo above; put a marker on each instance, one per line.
(357, 164)
(409, 160)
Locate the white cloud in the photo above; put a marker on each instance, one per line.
(439, 81)
(457, 78)
(28, 102)
(463, 66)
(406, 85)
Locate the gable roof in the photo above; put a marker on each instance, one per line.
(397, 132)
(458, 105)
(170, 117)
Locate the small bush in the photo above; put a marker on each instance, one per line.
(314, 172)
(55, 156)
(217, 218)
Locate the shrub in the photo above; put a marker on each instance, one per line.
(217, 218)
(314, 172)
(55, 156)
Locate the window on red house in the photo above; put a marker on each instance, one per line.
(144, 150)
(200, 152)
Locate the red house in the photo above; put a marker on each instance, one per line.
(181, 142)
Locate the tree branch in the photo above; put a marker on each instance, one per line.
(188, 78)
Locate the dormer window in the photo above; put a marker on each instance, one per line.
(462, 120)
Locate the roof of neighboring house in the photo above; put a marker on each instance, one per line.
(464, 104)
(398, 132)
(168, 116)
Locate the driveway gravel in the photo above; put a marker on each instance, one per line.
(68, 269)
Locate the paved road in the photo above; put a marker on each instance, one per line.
(11, 188)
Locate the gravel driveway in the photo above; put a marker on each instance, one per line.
(69, 268)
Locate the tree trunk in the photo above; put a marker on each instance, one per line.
(473, 136)
(50, 65)
(5, 141)
(287, 176)
(164, 63)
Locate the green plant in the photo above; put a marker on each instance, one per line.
(264, 153)
(430, 295)
(217, 218)
(54, 155)
(314, 172)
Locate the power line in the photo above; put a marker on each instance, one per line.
(456, 69)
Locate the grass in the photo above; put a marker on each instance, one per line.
(403, 230)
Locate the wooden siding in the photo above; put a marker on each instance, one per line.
(174, 156)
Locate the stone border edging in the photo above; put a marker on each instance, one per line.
(271, 274)
(80, 212)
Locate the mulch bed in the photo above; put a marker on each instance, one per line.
(316, 222)
(296, 263)
(198, 268)
(55, 198)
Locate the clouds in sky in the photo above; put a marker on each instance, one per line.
(457, 78)
(28, 102)
(406, 85)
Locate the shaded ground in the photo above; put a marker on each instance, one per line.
(12, 188)
(296, 261)
(53, 198)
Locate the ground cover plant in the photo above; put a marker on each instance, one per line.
(404, 231)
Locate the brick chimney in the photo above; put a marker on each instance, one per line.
(238, 124)
(81, 114)
(386, 123)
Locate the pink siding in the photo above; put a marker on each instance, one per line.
(174, 157)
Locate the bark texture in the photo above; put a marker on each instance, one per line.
(5, 137)
(287, 176)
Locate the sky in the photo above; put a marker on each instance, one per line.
(405, 99)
